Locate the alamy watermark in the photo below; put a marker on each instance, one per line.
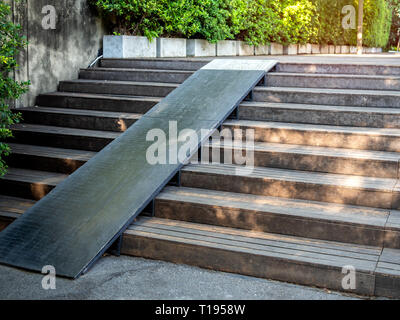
(349, 280)
(349, 20)
(227, 146)
(49, 21)
(49, 280)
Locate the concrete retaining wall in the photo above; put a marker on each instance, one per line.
(55, 54)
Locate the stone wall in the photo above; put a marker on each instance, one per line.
(55, 54)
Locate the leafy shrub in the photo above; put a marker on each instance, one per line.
(395, 29)
(255, 21)
(376, 24)
(299, 23)
(11, 42)
(207, 19)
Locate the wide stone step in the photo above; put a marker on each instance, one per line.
(339, 97)
(81, 119)
(130, 88)
(127, 74)
(47, 159)
(339, 68)
(325, 187)
(321, 114)
(60, 137)
(29, 184)
(308, 158)
(100, 102)
(317, 220)
(12, 208)
(362, 138)
(333, 81)
(285, 258)
(163, 64)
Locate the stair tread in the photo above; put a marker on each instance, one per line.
(12, 207)
(119, 82)
(357, 92)
(313, 150)
(336, 75)
(312, 107)
(84, 112)
(66, 154)
(341, 180)
(302, 250)
(315, 127)
(302, 209)
(137, 70)
(102, 96)
(34, 176)
(64, 130)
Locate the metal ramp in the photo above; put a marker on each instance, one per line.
(87, 213)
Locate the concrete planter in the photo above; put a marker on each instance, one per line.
(304, 48)
(171, 47)
(263, 50)
(243, 49)
(338, 49)
(331, 49)
(290, 50)
(128, 47)
(200, 48)
(324, 49)
(276, 49)
(315, 49)
(227, 48)
(345, 49)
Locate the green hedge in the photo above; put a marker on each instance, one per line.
(255, 21)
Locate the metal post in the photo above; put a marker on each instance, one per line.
(360, 26)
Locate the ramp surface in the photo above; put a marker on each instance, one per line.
(80, 219)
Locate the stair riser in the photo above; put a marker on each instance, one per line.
(117, 89)
(185, 65)
(145, 76)
(220, 259)
(290, 189)
(26, 190)
(326, 117)
(61, 140)
(269, 222)
(100, 104)
(315, 163)
(77, 121)
(338, 69)
(327, 98)
(332, 83)
(324, 139)
(44, 163)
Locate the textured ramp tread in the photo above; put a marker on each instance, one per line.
(78, 221)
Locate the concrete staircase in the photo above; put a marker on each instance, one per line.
(324, 193)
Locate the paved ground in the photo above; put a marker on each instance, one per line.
(134, 278)
(376, 59)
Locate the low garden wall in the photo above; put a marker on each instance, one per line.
(142, 47)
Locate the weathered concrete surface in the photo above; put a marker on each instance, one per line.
(54, 55)
(134, 278)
